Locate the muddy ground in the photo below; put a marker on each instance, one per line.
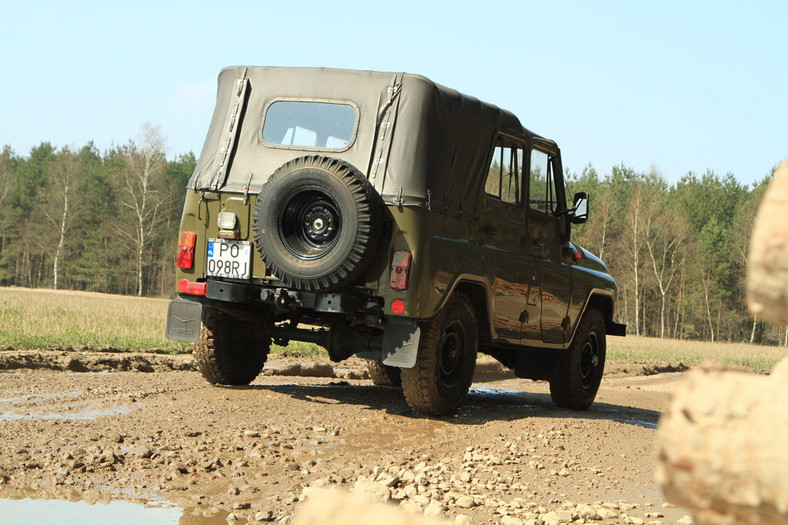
(142, 427)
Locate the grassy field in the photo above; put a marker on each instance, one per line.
(52, 319)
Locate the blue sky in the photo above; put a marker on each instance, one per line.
(678, 86)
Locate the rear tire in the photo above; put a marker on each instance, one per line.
(230, 351)
(582, 365)
(447, 357)
(384, 375)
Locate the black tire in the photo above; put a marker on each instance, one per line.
(582, 365)
(384, 375)
(447, 357)
(316, 222)
(230, 351)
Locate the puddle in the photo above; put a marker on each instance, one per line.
(84, 415)
(17, 410)
(57, 512)
(117, 512)
(623, 417)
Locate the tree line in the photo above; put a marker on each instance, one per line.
(678, 251)
(81, 219)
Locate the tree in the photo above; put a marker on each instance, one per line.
(666, 233)
(58, 205)
(138, 181)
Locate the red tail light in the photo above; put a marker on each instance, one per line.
(400, 270)
(186, 243)
(192, 288)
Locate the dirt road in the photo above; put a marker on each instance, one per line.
(509, 456)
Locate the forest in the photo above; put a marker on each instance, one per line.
(83, 219)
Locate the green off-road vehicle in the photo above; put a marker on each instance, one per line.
(385, 216)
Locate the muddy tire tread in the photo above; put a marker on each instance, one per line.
(383, 375)
(419, 383)
(230, 351)
(566, 390)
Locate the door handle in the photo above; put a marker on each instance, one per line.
(539, 243)
(489, 230)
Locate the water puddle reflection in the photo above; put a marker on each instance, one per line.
(24, 407)
(117, 512)
(57, 512)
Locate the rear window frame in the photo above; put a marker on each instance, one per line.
(338, 102)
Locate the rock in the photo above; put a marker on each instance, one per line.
(434, 509)
(551, 518)
(462, 519)
(721, 446)
(264, 515)
(371, 491)
(586, 512)
(767, 272)
(465, 502)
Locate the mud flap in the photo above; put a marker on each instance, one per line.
(401, 343)
(183, 320)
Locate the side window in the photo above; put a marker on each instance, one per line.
(541, 184)
(505, 175)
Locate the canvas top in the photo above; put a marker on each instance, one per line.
(419, 143)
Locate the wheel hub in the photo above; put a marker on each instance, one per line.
(310, 225)
(320, 224)
(589, 360)
(451, 354)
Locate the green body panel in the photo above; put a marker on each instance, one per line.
(200, 214)
(447, 251)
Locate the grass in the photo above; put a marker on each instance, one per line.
(54, 319)
(755, 358)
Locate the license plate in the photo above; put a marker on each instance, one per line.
(229, 258)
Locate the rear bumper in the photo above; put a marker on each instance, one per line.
(615, 329)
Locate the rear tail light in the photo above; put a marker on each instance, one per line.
(186, 243)
(400, 270)
(192, 288)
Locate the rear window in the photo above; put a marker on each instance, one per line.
(319, 125)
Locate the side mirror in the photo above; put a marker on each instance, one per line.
(580, 208)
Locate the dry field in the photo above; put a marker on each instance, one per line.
(31, 319)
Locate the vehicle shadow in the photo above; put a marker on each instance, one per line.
(482, 405)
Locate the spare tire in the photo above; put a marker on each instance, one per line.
(316, 222)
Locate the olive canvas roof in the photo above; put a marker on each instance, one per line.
(419, 143)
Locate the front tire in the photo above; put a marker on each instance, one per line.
(582, 365)
(230, 351)
(443, 373)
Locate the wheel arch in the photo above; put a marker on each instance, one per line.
(476, 292)
(603, 301)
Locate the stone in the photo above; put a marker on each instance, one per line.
(465, 502)
(371, 491)
(463, 519)
(434, 509)
(767, 272)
